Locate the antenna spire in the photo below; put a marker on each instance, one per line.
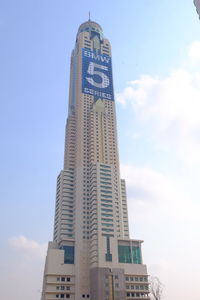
(89, 17)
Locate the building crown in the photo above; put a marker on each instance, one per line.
(90, 26)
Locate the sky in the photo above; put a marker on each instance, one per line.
(156, 63)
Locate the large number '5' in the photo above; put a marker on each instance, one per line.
(95, 69)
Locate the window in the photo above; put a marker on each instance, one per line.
(107, 224)
(106, 205)
(107, 230)
(68, 254)
(124, 253)
(136, 255)
(108, 257)
(132, 287)
(108, 254)
(107, 210)
(107, 215)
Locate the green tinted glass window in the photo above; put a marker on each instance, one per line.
(68, 254)
(108, 255)
(107, 210)
(105, 166)
(136, 255)
(124, 253)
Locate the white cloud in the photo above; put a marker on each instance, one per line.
(28, 248)
(168, 220)
(153, 195)
(169, 108)
(22, 264)
(194, 52)
(163, 210)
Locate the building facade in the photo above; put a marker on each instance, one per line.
(92, 255)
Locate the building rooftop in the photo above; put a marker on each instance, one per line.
(90, 26)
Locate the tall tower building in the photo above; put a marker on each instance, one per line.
(92, 255)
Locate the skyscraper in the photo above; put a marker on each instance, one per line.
(91, 255)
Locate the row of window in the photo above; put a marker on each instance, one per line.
(107, 230)
(105, 183)
(106, 220)
(105, 166)
(137, 287)
(62, 296)
(106, 215)
(62, 287)
(105, 178)
(137, 295)
(64, 279)
(133, 278)
(106, 191)
(105, 170)
(107, 224)
(106, 196)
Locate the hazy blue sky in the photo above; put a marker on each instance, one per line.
(156, 60)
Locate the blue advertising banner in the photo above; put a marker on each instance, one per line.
(97, 75)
